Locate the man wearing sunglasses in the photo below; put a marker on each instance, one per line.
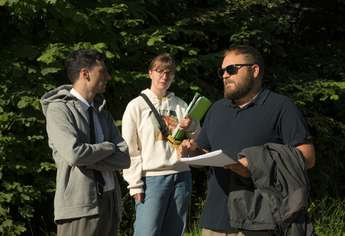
(248, 115)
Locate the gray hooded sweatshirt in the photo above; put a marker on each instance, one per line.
(75, 158)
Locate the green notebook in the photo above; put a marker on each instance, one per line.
(196, 110)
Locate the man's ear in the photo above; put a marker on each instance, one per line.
(256, 70)
(84, 74)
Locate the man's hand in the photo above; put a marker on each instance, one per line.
(240, 168)
(185, 123)
(187, 147)
(139, 197)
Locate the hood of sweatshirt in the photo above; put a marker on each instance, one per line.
(62, 94)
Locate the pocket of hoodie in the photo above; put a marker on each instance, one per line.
(81, 188)
(69, 183)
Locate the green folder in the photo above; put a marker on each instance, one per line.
(196, 110)
(198, 107)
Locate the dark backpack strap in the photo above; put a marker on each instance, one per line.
(162, 126)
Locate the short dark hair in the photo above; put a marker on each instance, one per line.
(83, 58)
(165, 60)
(252, 55)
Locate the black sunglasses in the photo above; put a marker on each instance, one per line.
(231, 69)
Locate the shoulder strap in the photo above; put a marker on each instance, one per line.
(162, 126)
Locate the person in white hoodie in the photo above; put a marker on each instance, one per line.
(159, 183)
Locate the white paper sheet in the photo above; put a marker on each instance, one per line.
(216, 158)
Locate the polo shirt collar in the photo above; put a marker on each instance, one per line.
(261, 97)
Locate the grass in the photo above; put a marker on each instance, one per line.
(328, 217)
(194, 231)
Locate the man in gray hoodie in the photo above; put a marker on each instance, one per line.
(87, 149)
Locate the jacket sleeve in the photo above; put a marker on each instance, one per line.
(120, 158)
(110, 164)
(63, 138)
(133, 175)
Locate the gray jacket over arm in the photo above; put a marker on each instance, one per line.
(279, 200)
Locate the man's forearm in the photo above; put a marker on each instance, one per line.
(308, 152)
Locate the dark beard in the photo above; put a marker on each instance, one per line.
(240, 91)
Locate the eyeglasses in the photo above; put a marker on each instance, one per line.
(231, 69)
(167, 72)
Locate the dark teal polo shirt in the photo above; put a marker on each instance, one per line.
(270, 117)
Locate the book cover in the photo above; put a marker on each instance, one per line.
(199, 108)
(196, 110)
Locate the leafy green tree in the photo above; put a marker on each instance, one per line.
(302, 42)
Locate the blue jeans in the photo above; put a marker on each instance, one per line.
(165, 207)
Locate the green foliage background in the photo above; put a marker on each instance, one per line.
(302, 42)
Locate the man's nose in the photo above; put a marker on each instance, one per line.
(226, 75)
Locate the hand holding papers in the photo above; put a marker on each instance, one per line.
(241, 168)
(216, 158)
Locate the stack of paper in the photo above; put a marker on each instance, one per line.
(216, 158)
(196, 110)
